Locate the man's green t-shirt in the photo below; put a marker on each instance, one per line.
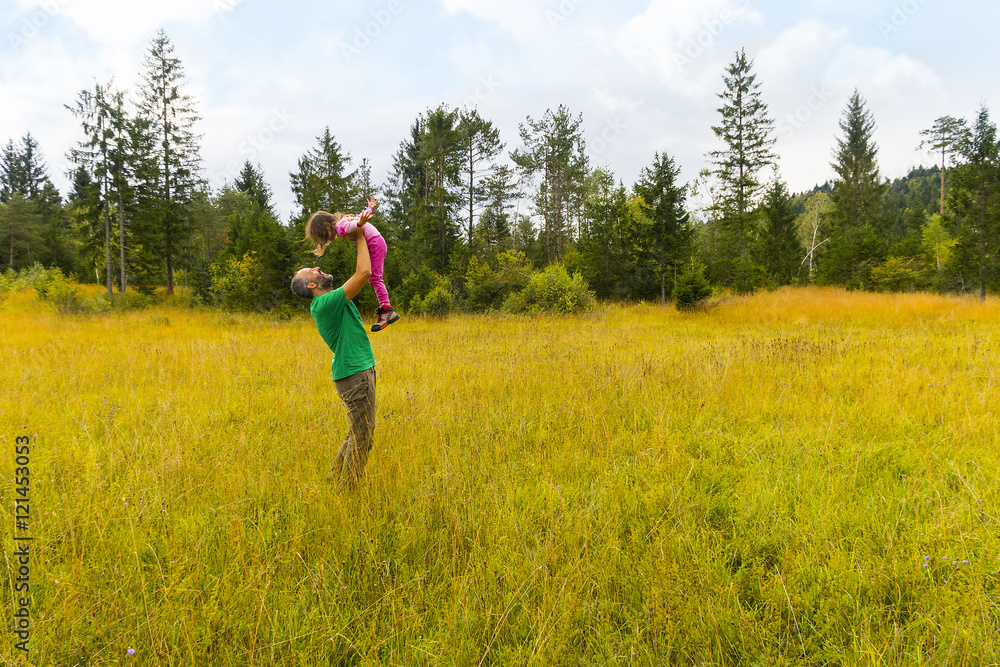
(339, 324)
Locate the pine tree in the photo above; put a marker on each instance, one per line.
(499, 191)
(946, 135)
(554, 147)
(441, 153)
(98, 154)
(424, 190)
(172, 117)
(669, 235)
(746, 130)
(480, 147)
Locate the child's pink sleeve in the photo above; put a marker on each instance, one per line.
(346, 225)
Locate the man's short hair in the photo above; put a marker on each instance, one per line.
(300, 289)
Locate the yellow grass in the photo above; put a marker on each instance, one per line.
(757, 483)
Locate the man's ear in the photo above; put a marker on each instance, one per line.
(311, 285)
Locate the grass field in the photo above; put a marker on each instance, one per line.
(804, 477)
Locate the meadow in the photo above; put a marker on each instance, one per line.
(800, 477)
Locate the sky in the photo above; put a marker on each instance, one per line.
(644, 74)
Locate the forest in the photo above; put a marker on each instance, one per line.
(479, 222)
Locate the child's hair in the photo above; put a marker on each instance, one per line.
(320, 231)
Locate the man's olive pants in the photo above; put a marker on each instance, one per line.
(358, 393)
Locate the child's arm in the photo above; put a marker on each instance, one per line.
(365, 216)
(369, 212)
(347, 225)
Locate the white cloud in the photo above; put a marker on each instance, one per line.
(613, 103)
(867, 66)
(672, 37)
(521, 18)
(798, 48)
(125, 23)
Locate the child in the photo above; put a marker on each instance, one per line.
(323, 227)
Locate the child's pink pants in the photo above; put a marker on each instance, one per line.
(377, 251)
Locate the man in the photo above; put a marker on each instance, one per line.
(339, 324)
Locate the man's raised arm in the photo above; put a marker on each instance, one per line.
(362, 271)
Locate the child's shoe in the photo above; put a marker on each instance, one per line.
(384, 316)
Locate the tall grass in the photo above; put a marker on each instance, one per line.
(758, 483)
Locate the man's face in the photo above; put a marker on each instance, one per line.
(323, 281)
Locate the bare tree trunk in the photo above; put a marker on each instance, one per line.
(121, 241)
(942, 182)
(107, 245)
(472, 166)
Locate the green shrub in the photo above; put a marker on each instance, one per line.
(488, 288)
(411, 293)
(552, 291)
(52, 286)
(438, 302)
(691, 289)
(120, 303)
(5, 284)
(896, 275)
(748, 277)
(238, 284)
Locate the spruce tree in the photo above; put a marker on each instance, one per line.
(251, 181)
(605, 242)
(975, 199)
(20, 228)
(668, 236)
(746, 130)
(856, 243)
(22, 169)
(322, 181)
(172, 116)
(781, 251)
(23, 173)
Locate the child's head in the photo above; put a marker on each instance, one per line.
(320, 230)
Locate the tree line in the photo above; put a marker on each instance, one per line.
(472, 223)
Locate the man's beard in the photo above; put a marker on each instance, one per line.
(324, 282)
